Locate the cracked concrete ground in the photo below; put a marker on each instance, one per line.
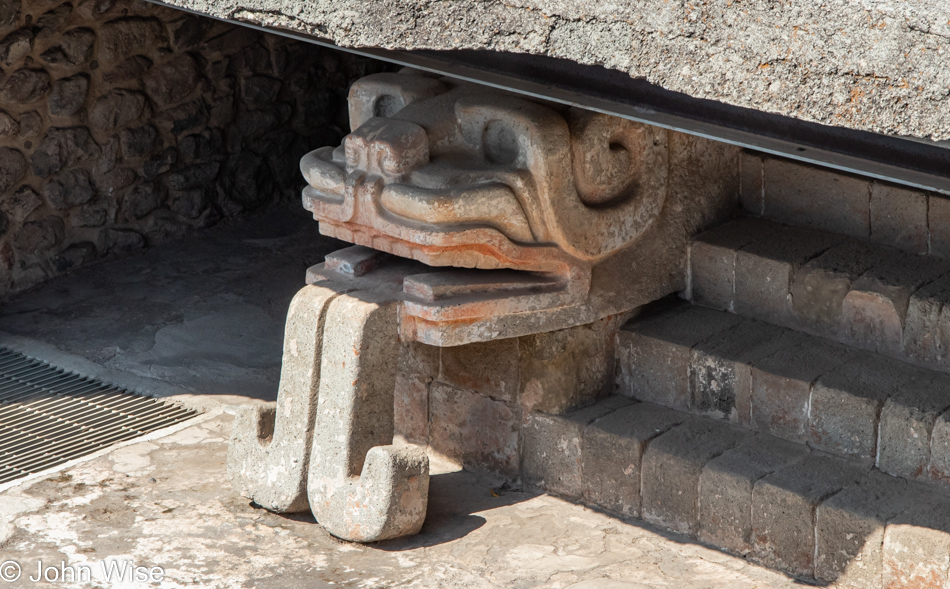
(204, 317)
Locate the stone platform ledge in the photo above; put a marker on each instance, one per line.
(870, 66)
(167, 503)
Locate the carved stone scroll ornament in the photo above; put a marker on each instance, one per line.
(476, 215)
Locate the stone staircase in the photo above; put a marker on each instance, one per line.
(795, 409)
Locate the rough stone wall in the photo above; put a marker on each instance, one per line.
(124, 123)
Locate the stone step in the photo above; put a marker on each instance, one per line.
(869, 296)
(781, 504)
(802, 388)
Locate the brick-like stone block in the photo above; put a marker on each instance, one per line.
(873, 312)
(940, 450)
(899, 217)
(720, 369)
(782, 382)
(418, 367)
(489, 368)
(474, 430)
(907, 423)
(672, 466)
(612, 453)
(551, 456)
(563, 369)
(726, 484)
(926, 337)
(846, 403)
(765, 269)
(750, 183)
(819, 287)
(653, 352)
(804, 195)
(850, 531)
(783, 510)
(712, 260)
(916, 548)
(938, 219)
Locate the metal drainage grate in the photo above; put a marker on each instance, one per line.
(49, 416)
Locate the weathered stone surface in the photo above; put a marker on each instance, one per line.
(782, 382)
(189, 203)
(473, 430)
(51, 22)
(16, 46)
(258, 91)
(916, 550)
(8, 125)
(137, 141)
(74, 48)
(907, 425)
(612, 453)
(12, 167)
(850, 531)
(488, 368)
(69, 189)
(654, 353)
(24, 86)
(874, 311)
(160, 163)
(765, 270)
(63, 147)
(131, 68)
(418, 367)
(846, 403)
(9, 12)
(31, 124)
(783, 510)
(360, 487)
(751, 193)
(726, 484)
(814, 80)
(144, 199)
(196, 176)
(899, 218)
(116, 109)
(567, 368)
(36, 236)
(938, 221)
(95, 214)
(713, 260)
(20, 204)
(68, 95)
(172, 81)
(814, 197)
(820, 286)
(595, 212)
(720, 369)
(940, 450)
(926, 337)
(553, 445)
(120, 38)
(124, 240)
(672, 466)
(269, 453)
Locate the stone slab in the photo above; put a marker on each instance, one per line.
(726, 485)
(850, 531)
(699, 56)
(907, 425)
(612, 453)
(553, 445)
(926, 337)
(916, 548)
(846, 403)
(899, 218)
(783, 510)
(653, 352)
(782, 383)
(672, 466)
(712, 260)
(765, 270)
(808, 196)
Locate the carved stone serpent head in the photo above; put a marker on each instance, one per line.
(452, 174)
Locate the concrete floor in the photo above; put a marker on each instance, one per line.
(203, 319)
